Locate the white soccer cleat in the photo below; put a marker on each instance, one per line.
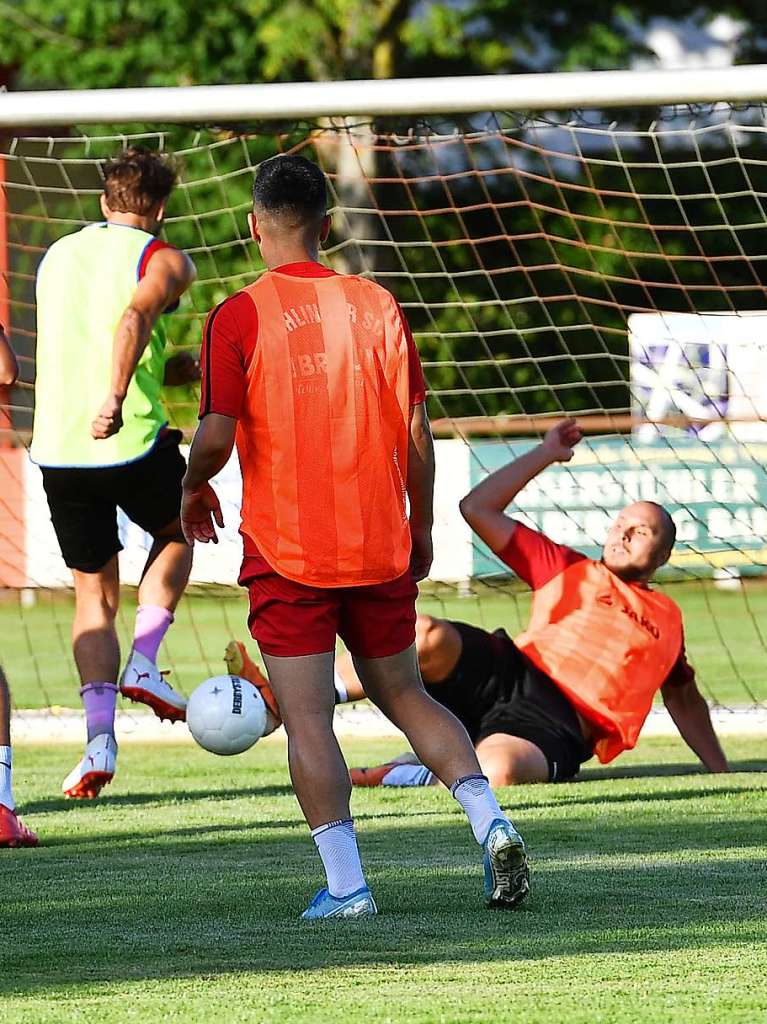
(143, 683)
(96, 769)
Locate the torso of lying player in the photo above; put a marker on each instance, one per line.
(608, 644)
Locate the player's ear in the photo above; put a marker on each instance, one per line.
(159, 212)
(104, 206)
(253, 225)
(325, 228)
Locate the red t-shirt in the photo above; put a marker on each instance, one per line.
(231, 335)
(536, 559)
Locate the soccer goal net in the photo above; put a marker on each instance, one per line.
(606, 263)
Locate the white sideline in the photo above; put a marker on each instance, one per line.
(64, 725)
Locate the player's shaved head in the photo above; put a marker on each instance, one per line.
(137, 181)
(291, 189)
(667, 526)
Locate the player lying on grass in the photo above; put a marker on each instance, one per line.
(12, 831)
(317, 375)
(101, 439)
(581, 679)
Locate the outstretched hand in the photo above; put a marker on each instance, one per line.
(199, 510)
(560, 440)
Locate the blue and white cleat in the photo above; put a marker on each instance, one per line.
(507, 873)
(356, 904)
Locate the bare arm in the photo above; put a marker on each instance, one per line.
(210, 452)
(420, 491)
(9, 368)
(691, 716)
(484, 507)
(168, 275)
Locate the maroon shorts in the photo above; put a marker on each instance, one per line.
(291, 620)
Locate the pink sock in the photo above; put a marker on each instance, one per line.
(99, 700)
(151, 626)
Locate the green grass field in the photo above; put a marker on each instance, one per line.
(724, 638)
(175, 898)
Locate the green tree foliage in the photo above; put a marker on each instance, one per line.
(556, 259)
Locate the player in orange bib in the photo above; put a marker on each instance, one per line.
(581, 679)
(316, 377)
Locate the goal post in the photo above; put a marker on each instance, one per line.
(588, 244)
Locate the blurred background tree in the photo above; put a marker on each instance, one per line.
(123, 43)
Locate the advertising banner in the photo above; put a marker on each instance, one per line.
(716, 493)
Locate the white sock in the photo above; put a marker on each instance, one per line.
(408, 775)
(342, 694)
(6, 762)
(474, 794)
(337, 846)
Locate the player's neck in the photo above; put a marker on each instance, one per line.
(133, 220)
(283, 255)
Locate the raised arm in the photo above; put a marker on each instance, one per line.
(420, 491)
(691, 715)
(168, 275)
(484, 507)
(9, 368)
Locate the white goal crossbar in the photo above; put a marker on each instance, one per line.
(280, 101)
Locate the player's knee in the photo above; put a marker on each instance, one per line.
(96, 593)
(503, 776)
(429, 634)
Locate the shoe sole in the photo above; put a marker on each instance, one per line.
(233, 658)
(363, 910)
(511, 876)
(89, 786)
(161, 708)
(17, 842)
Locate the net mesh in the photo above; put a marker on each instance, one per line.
(610, 270)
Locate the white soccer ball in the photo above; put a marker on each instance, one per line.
(226, 715)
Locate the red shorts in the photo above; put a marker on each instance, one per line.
(291, 620)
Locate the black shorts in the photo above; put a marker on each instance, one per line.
(494, 688)
(83, 502)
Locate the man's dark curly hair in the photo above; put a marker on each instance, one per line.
(137, 180)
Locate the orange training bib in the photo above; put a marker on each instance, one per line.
(323, 441)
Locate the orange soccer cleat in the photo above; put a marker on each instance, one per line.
(12, 832)
(371, 776)
(240, 663)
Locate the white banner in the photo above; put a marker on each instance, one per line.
(220, 563)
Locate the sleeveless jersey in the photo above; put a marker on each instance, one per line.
(608, 645)
(84, 285)
(323, 437)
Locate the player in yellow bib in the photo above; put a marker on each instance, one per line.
(102, 442)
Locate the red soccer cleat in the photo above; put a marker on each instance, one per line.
(240, 663)
(371, 776)
(12, 832)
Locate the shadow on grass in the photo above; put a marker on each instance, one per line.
(177, 904)
(171, 796)
(641, 771)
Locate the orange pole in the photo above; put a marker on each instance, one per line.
(6, 420)
(12, 460)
